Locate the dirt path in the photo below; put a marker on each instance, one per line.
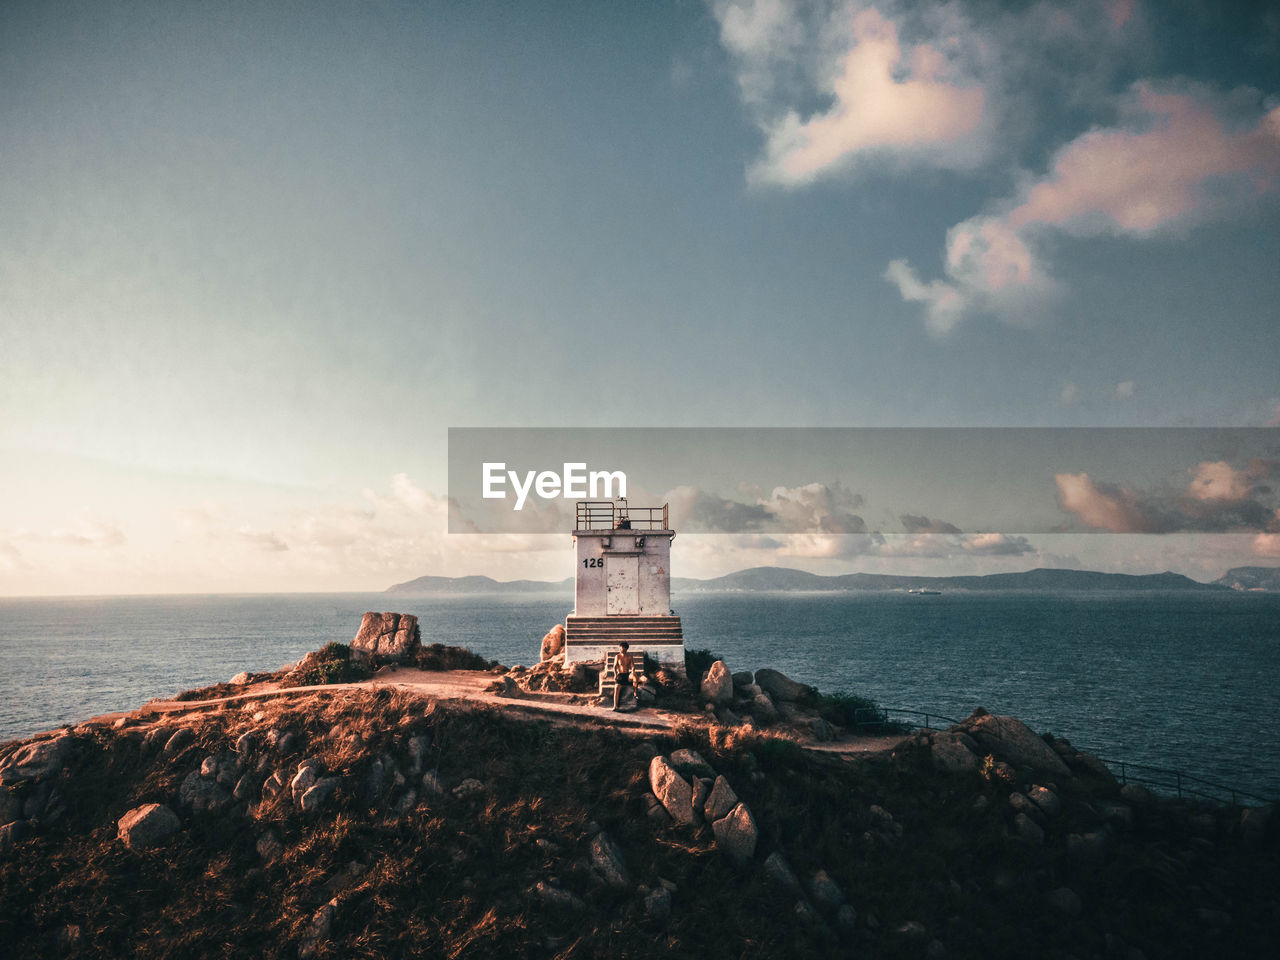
(469, 685)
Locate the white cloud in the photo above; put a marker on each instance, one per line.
(906, 102)
(1124, 390)
(1180, 160)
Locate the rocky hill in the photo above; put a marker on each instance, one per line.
(373, 823)
(1251, 578)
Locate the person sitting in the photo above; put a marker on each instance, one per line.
(623, 666)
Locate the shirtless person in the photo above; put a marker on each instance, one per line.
(623, 666)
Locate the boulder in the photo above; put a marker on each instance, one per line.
(720, 801)
(12, 833)
(1087, 849)
(781, 687)
(778, 872)
(657, 904)
(203, 795)
(241, 679)
(269, 846)
(607, 862)
(389, 636)
(762, 708)
(181, 738)
(1009, 739)
(317, 931)
(742, 678)
(34, 761)
(826, 892)
(736, 835)
(1028, 830)
(1253, 824)
(418, 747)
(701, 791)
(147, 825)
(717, 685)
(317, 794)
(1046, 800)
(673, 791)
(553, 642)
(951, 753)
(303, 781)
(470, 787)
(690, 761)
(553, 896)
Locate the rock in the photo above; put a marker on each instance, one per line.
(805, 913)
(408, 800)
(147, 825)
(846, 917)
(553, 642)
(820, 729)
(34, 803)
(691, 762)
(203, 795)
(1117, 814)
(742, 678)
(553, 896)
(657, 904)
(778, 872)
(10, 806)
(317, 931)
(1137, 795)
(720, 801)
(388, 636)
(418, 747)
(717, 685)
(269, 846)
(470, 787)
(431, 784)
(727, 718)
(912, 930)
(34, 761)
(1022, 805)
(951, 753)
(736, 835)
(1086, 850)
(13, 833)
(318, 793)
(656, 813)
(240, 679)
(1046, 800)
(936, 950)
(781, 687)
(302, 781)
(607, 862)
(673, 791)
(1065, 900)
(1012, 740)
(762, 707)
(1028, 830)
(272, 785)
(701, 791)
(246, 787)
(825, 891)
(181, 739)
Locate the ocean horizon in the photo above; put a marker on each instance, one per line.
(1170, 679)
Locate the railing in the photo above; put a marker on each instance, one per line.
(607, 515)
(1176, 781)
(1179, 782)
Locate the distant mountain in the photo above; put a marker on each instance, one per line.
(1251, 578)
(785, 579)
(781, 578)
(465, 586)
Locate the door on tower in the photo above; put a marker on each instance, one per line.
(622, 582)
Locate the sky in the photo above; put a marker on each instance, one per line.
(256, 260)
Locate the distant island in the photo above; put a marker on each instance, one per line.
(760, 579)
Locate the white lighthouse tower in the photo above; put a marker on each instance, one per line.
(623, 587)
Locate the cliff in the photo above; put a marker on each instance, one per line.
(372, 823)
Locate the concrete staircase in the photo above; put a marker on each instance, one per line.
(641, 632)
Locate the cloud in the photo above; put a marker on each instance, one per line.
(1218, 499)
(920, 524)
(86, 531)
(914, 103)
(812, 507)
(1068, 394)
(1183, 157)
(10, 559)
(1124, 390)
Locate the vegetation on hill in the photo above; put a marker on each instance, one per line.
(375, 824)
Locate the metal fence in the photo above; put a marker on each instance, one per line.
(607, 515)
(1177, 782)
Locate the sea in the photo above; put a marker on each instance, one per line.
(1186, 681)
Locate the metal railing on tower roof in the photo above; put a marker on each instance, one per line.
(608, 515)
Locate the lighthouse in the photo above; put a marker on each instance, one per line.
(623, 584)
